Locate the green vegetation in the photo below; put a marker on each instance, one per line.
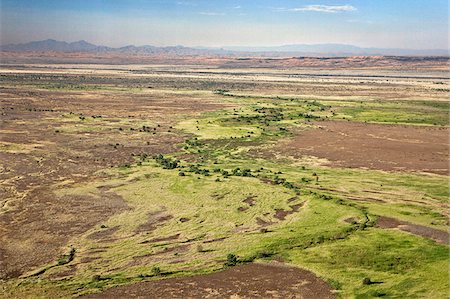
(398, 112)
(397, 264)
(214, 204)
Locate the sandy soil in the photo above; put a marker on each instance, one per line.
(245, 281)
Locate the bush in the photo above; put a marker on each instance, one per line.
(366, 281)
(247, 173)
(236, 172)
(166, 163)
(67, 258)
(156, 271)
(231, 260)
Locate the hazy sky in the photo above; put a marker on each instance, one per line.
(416, 24)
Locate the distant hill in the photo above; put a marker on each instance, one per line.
(84, 46)
(53, 45)
(285, 50)
(341, 50)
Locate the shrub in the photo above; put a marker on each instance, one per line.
(67, 258)
(366, 281)
(166, 163)
(236, 172)
(247, 173)
(231, 260)
(156, 271)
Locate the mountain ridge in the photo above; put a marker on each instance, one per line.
(327, 49)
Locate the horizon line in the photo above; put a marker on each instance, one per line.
(227, 46)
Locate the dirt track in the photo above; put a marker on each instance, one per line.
(245, 281)
(373, 146)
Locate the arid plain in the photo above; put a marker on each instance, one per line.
(224, 177)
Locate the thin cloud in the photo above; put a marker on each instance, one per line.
(211, 13)
(360, 21)
(324, 8)
(186, 3)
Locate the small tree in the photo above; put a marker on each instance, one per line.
(231, 260)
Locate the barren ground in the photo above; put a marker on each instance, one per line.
(373, 146)
(246, 281)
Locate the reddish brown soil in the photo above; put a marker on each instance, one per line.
(373, 146)
(245, 281)
(215, 240)
(262, 222)
(104, 234)
(357, 62)
(154, 220)
(281, 214)
(250, 200)
(419, 230)
(38, 232)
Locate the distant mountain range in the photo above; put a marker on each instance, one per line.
(343, 49)
(286, 50)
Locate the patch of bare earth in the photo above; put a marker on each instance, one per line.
(373, 146)
(245, 281)
(419, 230)
(281, 213)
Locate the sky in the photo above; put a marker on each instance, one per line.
(411, 24)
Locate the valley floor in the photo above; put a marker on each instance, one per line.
(194, 180)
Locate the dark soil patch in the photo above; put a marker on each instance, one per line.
(88, 259)
(215, 240)
(245, 281)
(262, 222)
(50, 222)
(415, 229)
(242, 209)
(103, 234)
(281, 214)
(292, 199)
(154, 220)
(296, 207)
(162, 239)
(351, 220)
(250, 200)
